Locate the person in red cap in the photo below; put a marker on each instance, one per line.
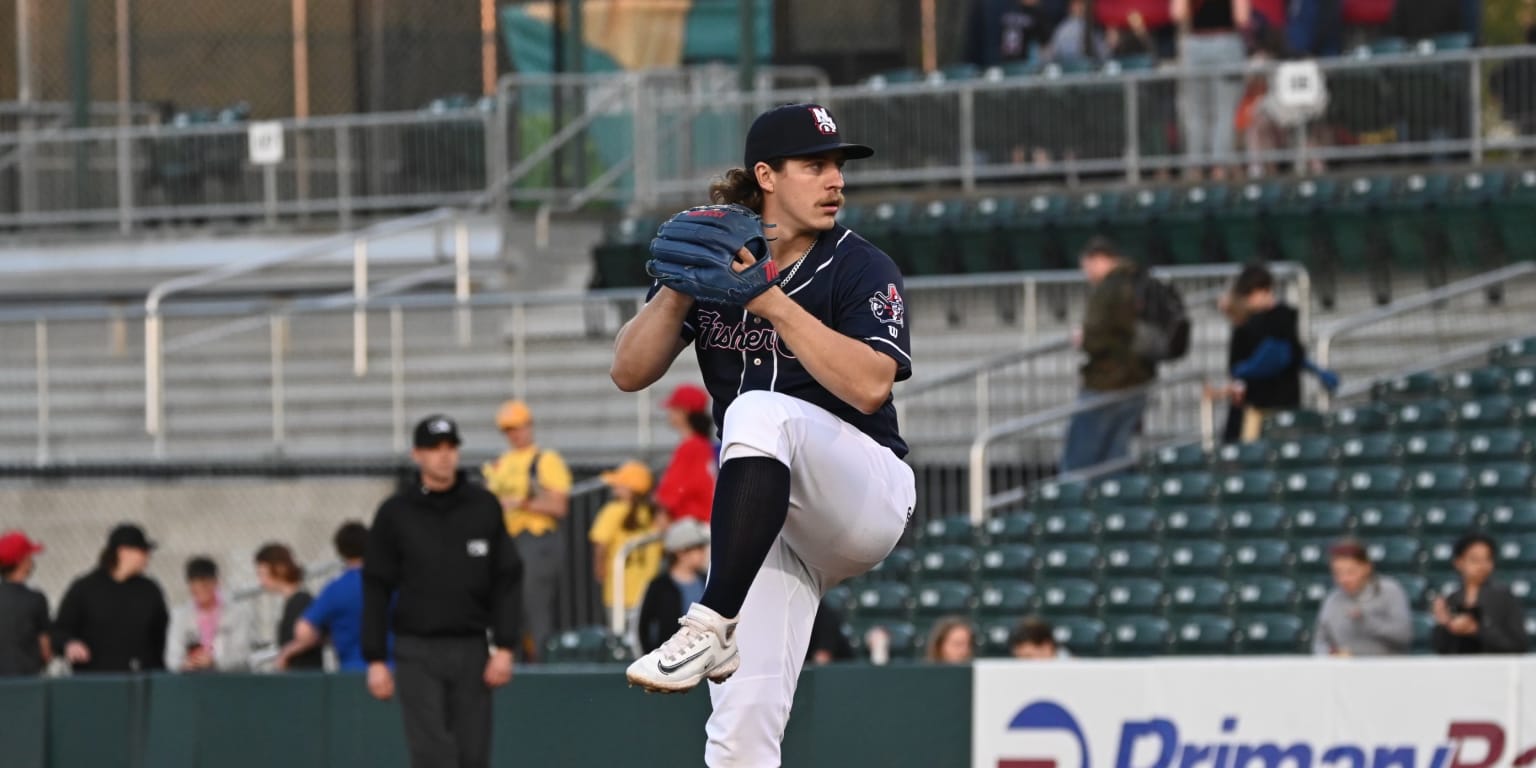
(687, 488)
(24, 648)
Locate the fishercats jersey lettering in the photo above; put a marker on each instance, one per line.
(849, 285)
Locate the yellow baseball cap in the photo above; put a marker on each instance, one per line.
(513, 414)
(631, 475)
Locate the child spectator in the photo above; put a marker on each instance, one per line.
(1366, 614)
(281, 576)
(669, 595)
(627, 516)
(338, 611)
(952, 641)
(1035, 639)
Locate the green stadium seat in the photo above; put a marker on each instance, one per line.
(1423, 632)
(1017, 528)
(978, 236)
(841, 598)
(1450, 517)
(1357, 419)
(1298, 231)
(1385, 518)
(954, 529)
(1305, 451)
(1311, 556)
(1069, 525)
(1008, 597)
(1375, 448)
(945, 598)
(1441, 481)
(1316, 484)
(1436, 447)
(1477, 384)
(1396, 553)
(897, 566)
(1059, 494)
(890, 599)
(1249, 486)
(1407, 389)
(585, 645)
(1255, 454)
(1008, 561)
(1089, 214)
(994, 634)
(1416, 587)
(1127, 489)
(1133, 595)
(1257, 521)
(1140, 225)
(1139, 636)
(1199, 594)
(1197, 522)
(1246, 226)
(952, 561)
(1197, 558)
(1416, 235)
(1185, 489)
(1422, 416)
(1311, 589)
(1288, 424)
(1469, 221)
(1522, 381)
(1379, 482)
(1320, 520)
(1272, 556)
(1032, 237)
(1131, 523)
(1438, 554)
(1270, 633)
(1069, 559)
(1523, 585)
(906, 642)
(1132, 558)
(1079, 635)
(1527, 414)
(1259, 593)
(1361, 235)
(1496, 412)
(1177, 458)
(1190, 229)
(1512, 213)
(1517, 515)
(1497, 445)
(1504, 480)
(929, 242)
(1203, 635)
(886, 223)
(1514, 353)
(1069, 596)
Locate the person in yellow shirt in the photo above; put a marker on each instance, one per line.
(627, 516)
(534, 486)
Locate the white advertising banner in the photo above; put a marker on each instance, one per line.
(1255, 713)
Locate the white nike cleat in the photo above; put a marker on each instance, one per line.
(705, 647)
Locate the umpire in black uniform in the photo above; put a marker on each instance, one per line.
(439, 549)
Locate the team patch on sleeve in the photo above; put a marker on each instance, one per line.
(888, 306)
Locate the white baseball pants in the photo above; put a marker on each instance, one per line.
(849, 501)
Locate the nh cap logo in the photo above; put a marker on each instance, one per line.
(824, 121)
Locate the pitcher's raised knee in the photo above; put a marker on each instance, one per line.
(757, 424)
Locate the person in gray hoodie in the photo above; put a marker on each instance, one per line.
(1365, 614)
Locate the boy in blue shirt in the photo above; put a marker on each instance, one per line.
(337, 612)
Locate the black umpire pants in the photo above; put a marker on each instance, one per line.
(444, 701)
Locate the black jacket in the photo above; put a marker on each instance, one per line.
(122, 623)
(448, 562)
(660, 609)
(1500, 623)
(1280, 323)
(23, 620)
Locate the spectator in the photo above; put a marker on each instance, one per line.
(1001, 31)
(281, 576)
(1034, 638)
(828, 644)
(441, 570)
(534, 486)
(1315, 28)
(1109, 328)
(1515, 81)
(687, 488)
(952, 641)
(113, 619)
(24, 646)
(1076, 39)
(1265, 357)
(1365, 614)
(209, 632)
(1211, 38)
(338, 612)
(670, 594)
(1422, 19)
(626, 517)
(1483, 616)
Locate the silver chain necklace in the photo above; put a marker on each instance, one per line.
(796, 266)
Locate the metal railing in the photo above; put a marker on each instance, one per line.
(617, 613)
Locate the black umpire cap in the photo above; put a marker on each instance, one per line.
(797, 130)
(435, 430)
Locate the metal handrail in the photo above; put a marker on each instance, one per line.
(979, 480)
(616, 609)
(1332, 331)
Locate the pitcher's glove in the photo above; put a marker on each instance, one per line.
(693, 252)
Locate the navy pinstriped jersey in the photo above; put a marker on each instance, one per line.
(849, 285)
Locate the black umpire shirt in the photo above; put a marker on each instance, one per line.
(446, 559)
(23, 619)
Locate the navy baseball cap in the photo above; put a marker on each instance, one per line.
(797, 130)
(435, 430)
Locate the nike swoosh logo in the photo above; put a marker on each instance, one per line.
(666, 670)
